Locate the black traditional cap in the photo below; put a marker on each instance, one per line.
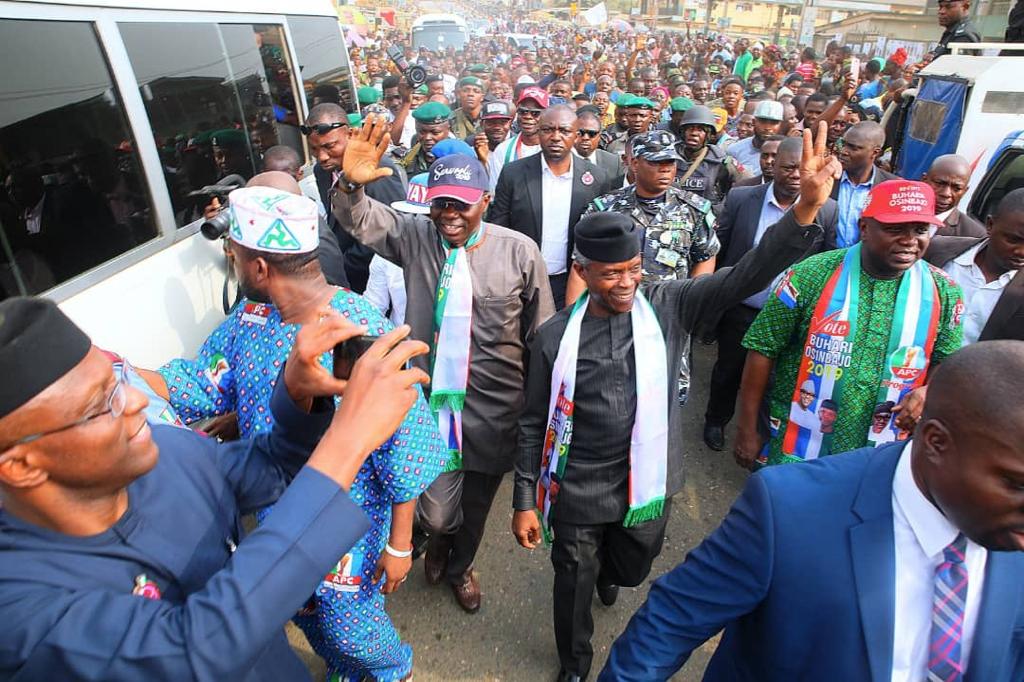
(588, 109)
(607, 237)
(38, 345)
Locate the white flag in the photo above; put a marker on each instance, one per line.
(596, 15)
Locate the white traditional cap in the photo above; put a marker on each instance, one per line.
(525, 78)
(268, 219)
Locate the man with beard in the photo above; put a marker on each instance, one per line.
(705, 170)
(531, 104)
(767, 120)
(496, 120)
(544, 195)
(863, 324)
(860, 146)
(433, 124)
(328, 130)
(477, 292)
(600, 442)
(742, 223)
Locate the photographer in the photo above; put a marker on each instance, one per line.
(159, 582)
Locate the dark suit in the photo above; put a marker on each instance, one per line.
(959, 224)
(752, 181)
(736, 228)
(610, 163)
(801, 575)
(1007, 318)
(878, 176)
(518, 204)
(357, 256)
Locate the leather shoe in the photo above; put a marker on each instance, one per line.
(608, 594)
(434, 566)
(468, 593)
(566, 676)
(714, 437)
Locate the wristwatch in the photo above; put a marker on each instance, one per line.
(346, 185)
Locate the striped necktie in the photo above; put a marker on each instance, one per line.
(944, 664)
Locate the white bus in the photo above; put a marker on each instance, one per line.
(438, 31)
(111, 114)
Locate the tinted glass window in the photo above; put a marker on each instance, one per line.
(323, 61)
(73, 193)
(216, 105)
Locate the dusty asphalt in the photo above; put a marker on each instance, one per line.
(510, 638)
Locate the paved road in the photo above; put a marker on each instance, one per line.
(510, 639)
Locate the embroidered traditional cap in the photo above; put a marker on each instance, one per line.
(497, 109)
(538, 95)
(432, 112)
(902, 201)
(38, 345)
(457, 176)
(267, 219)
(809, 387)
(655, 145)
(607, 237)
(415, 196)
(681, 104)
(368, 95)
(769, 110)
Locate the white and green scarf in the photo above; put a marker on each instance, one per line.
(648, 450)
(453, 321)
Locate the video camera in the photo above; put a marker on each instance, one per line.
(217, 226)
(415, 74)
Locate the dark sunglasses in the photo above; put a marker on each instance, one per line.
(584, 132)
(322, 128)
(522, 111)
(442, 204)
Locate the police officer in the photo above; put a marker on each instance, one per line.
(433, 124)
(705, 168)
(679, 239)
(954, 18)
(613, 138)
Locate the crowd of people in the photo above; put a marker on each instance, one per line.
(504, 269)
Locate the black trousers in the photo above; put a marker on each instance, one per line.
(558, 284)
(728, 371)
(584, 554)
(472, 492)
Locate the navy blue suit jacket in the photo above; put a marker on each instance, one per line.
(801, 575)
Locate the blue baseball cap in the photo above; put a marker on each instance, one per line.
(457, 176)
(415, 197)
(449, 146)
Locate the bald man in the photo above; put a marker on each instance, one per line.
(950, 175)
(859, 149)
(896, 563)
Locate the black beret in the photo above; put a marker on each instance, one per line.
(38, 345)
(607, 237)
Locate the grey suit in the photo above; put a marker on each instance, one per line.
(610, 163)
(959, 224)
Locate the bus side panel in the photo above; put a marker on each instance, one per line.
(163, 307)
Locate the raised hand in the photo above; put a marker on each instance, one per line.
(364, 151)
(818, 172)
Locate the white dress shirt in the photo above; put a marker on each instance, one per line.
(980, 297)
(501, 155)
(556, 197)
(922, 533)
(385, 289)
(771, 213)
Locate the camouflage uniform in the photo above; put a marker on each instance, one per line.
(613, 139)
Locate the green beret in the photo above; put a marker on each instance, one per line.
(471, 80)
(432, 112)
(368, 95)
(673, 72)
(625, 99)
(228, 137)
(639, 103)
(479, 68)
(421, 90)
(681, 104)
(355, 120)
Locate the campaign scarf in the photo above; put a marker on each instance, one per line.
(449, 360)
(830, 351)
(648, 449)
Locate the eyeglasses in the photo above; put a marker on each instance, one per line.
(321, 128)
(564, 131)
(458, 206)
(590, 134)
(523, 111)
(116, 402)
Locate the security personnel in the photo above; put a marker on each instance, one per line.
(433, 124)
(638, 114)
(678, 106)
(954, 17)
(465, 120)
(705, 169)
(123, 555)
(613, 138)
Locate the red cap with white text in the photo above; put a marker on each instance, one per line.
(901, 201)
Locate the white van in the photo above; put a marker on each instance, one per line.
(111, 114)
(439, 31)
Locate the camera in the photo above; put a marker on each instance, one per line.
(347, 352)
(415, 75)
(217, 226)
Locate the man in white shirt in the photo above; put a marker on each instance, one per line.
(900, 563)
(531, 103)
(767, 121)
(986, 269)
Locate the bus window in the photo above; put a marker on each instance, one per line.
(214, 106)
(323, 61)
(73, 193)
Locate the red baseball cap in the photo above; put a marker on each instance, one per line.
(538, 95)
(901, 201)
